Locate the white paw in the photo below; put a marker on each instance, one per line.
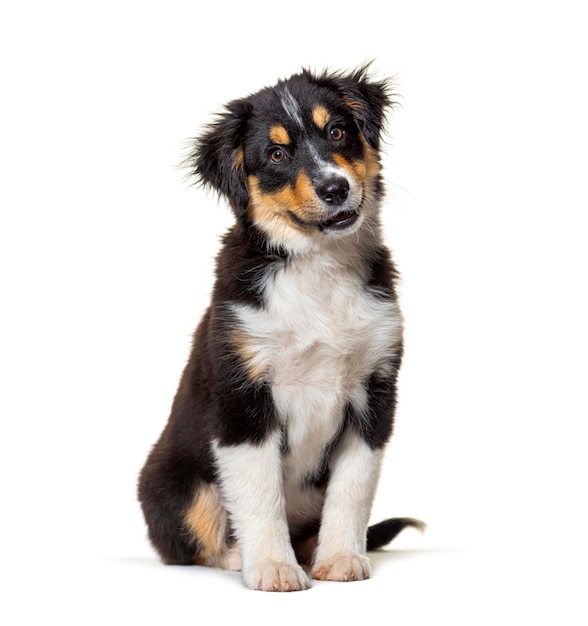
(275, 576)
(342, 567)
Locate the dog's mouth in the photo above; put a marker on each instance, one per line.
(336, 223)
(340, 221)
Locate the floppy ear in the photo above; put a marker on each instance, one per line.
(216, 157)
(367, 99)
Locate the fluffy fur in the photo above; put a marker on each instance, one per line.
(271, 455)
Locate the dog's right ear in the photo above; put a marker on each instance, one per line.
(216, 157)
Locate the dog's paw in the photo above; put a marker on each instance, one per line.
(342, 567)
(275, 576)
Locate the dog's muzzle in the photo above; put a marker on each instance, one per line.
(335, 194)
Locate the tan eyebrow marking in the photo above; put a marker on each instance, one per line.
(321, 116)
(354, 105)
(278, 134)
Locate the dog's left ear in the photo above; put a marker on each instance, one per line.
(216, 157)
(368, 100)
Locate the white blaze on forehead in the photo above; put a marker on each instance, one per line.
(291, 107)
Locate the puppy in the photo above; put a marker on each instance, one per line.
(272, 451)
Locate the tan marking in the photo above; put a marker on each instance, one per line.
(206, 519)
(278, 134)
(363, 170)
(356, 169)
(244, 345)
(239, 157)
(354, 105)
(270, 210)
(321, 116)
(371, 161)
(307, 207)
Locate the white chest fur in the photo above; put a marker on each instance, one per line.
(317, 340)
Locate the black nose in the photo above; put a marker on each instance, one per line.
(334, 191)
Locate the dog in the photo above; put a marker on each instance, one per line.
(270, 458)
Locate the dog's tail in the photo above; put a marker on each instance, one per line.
(381, 534)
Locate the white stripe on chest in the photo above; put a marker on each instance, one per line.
(319, 337)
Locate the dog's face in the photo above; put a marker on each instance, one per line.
(299, 161)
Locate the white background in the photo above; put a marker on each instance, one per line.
(106, 265)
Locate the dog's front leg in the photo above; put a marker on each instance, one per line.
(341, 551)
(252, 484)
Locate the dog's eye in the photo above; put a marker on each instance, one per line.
(337, 133)
(278, 155)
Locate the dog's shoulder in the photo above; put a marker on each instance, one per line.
(243, 267)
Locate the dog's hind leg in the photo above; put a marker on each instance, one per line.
(185, 519)
(167, 532)
(206, 522)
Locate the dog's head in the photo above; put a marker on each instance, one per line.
(299, 161)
